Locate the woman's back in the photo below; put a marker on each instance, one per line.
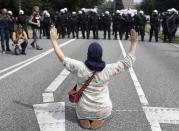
(94, 104)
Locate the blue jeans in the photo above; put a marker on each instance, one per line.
(5, 35)
(36, 33)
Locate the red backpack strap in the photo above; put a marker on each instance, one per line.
(87, 82)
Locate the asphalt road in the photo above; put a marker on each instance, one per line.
(156, 68)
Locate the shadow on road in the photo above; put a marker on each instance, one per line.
(23, 104)
(70, 114)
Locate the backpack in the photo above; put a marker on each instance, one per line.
(17, 50)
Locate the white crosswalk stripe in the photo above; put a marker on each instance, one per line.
(50, 116)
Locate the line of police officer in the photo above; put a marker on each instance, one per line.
(86, 21)
(122, 21)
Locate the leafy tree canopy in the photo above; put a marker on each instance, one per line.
(161, 5)
(51, 5)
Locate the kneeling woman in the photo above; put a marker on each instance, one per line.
(95, 104)
(19, 38)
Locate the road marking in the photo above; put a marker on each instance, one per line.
(137, 84)
(20, 63)
(162, 115)
(50, 116)
(155, 115)
(22, 66)
(155, 126)
(58, 81)
(128, 110)
(175, 45)
(48, 95)
(33, 60)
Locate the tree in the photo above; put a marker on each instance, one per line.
(148, 6)
(161, 5)
(119, 4)
(50, 5)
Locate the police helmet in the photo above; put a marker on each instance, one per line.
(173, 10)
(73, 13)
(117, 11)
(94, 11)
(141, 12)
(155, 11)
(83, 9)
(62, 11)
(21, 12)
(80, 12)
(45, 12)
(48, 14)
(65, 9)
(9, 12)
(107, 12)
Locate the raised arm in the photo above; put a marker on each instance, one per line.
(54, 38)
(133, 38)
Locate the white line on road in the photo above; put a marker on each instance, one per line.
(137, 84)
(48, 95)
(33, 60)
(155, 126)
(162, 115)
(175, 45)
(58, 81)
(50, 116)
(20, 63)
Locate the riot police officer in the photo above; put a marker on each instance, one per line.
(12, 22)
(172, 23)
(22, 20)
(106, 19)
(94, 19)
(46, 25)
(83, 21)
(127, 24)
(164, 18)
(61, 23)
(141, 21)
(155, 25)
(118, 26)
(67, 24)
(74, 24)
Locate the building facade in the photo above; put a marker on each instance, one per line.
(128, 3)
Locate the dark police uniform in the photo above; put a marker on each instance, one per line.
(106, 19)
(155, 26)
(94, 19)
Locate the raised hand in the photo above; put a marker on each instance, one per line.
(53, 34)
(133, 36)
(133, 39)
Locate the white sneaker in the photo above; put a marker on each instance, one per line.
(3, 52)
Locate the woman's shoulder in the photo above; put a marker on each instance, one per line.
(71, 60)
(72, 64)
